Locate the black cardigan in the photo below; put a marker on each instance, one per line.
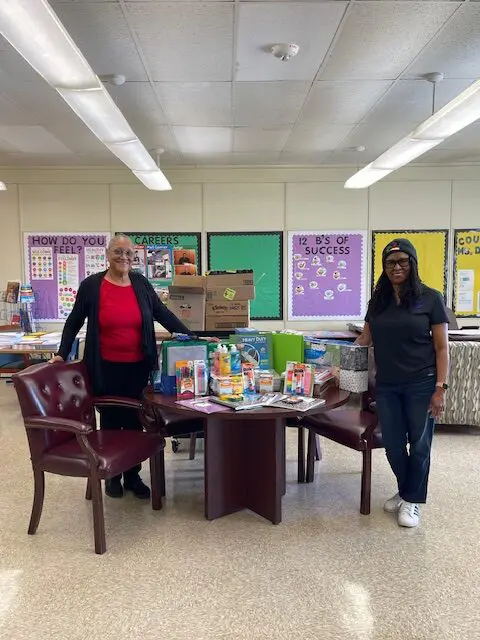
(87, 305)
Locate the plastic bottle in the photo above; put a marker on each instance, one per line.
(235, 363)
(225, 366)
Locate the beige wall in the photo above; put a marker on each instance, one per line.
(242, 199)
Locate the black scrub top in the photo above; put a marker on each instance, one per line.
(402, 338)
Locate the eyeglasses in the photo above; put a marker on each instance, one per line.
(404, 263)
(128, 253)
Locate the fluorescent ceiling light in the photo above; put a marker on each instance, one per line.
(403, 152)
(3, 186)
(34, 30)
(365, 177)
(154, 180)
(453, 117)
(100, 113)
(134, 155)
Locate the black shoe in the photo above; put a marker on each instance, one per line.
(113, 488)
(137, 487)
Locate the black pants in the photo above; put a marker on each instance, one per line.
(127, 380)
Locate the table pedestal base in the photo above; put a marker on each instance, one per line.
(244, 467)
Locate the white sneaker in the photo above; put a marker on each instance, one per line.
(409, 514)
(393, 505)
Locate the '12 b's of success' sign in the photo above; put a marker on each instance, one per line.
(326, 275)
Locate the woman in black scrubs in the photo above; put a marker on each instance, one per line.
(407, 325)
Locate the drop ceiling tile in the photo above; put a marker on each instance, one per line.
(10, 114)
(349, 157)
(31, 140)
(380, 39)
(39, 102)
(455, 51)
(39, 160)
(138, 103)
(76, 136)
(13, 66)
(318, 139)
(250, 139)
(157, 137)
(269, 104)
(101, 33)
(341, 102)
(185, 42)
(196, 103)
(204, 140)
(310, 25)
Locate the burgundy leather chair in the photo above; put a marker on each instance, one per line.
(58, 411)
(357, 429)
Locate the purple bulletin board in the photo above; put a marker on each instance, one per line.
(56, 263)
(326, 275)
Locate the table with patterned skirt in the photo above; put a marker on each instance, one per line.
(463, 397)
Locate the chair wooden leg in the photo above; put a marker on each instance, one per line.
(38, 496)
(193, 445)
(88, 491)
(301, 455)
(310, 456)
(366, 482)
(161, 471)
(98, 516)
(156, 481)
(318, 448)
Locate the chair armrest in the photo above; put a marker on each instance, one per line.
(117, 401)
(60, 424)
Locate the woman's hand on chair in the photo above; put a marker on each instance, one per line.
(56, 359)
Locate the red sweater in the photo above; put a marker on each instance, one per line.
(120, 322)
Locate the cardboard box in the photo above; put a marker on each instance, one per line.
(226, 323)
(199, 282)
(230, 293)
(231, 279)
(224, 308)
(188, 304)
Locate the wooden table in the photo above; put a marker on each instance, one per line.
(244, 453)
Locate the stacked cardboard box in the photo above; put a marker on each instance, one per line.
(186, 299)
(228, 299)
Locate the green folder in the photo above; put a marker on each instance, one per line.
(287, 347)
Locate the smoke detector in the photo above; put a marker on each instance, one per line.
(285, 51)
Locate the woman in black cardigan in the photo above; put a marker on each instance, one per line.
(120, 346)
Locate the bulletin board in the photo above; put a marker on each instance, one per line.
(159, 256)
(260, 251)
(466, 273)
(56, 263)
(432, 251)
(326, 275)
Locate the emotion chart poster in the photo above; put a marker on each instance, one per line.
(326, 278)
(56, 264)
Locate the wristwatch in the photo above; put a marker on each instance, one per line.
(442, 385)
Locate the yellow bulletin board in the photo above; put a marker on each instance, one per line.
(466, 273)
(432, 251)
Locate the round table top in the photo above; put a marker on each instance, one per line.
(333, 397)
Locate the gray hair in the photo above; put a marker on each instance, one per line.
(117, 236)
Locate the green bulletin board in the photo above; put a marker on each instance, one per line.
(160, 255)
(260, 251)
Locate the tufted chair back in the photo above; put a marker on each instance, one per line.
(54, 390)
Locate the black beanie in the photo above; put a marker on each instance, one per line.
(400, 244)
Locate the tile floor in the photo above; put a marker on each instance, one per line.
(325, 573)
